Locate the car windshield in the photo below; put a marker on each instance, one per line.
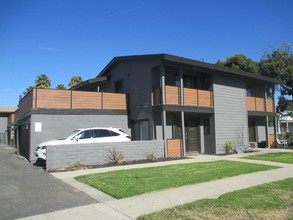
(71, 135)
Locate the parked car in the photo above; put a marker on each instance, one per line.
(84, 136)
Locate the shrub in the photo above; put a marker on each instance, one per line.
(75, 166)
(151, 156)
(114, 156)
(230, 147)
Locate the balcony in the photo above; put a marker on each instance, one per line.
(258, 104)
(67, 99)
(192, 97)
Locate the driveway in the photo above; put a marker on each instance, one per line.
(26, 190)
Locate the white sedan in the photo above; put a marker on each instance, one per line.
(84, 136)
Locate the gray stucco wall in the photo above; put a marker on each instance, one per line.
(230, 111)
(59, 126)
(96, 154)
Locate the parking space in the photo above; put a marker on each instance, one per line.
(27, 190)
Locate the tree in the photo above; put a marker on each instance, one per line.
(240, 62)
(75, 80)
(61, 86)
(43, 82)
(278, 64)
(27, 90)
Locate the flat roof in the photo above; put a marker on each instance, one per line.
(89, 83)
(7, 110)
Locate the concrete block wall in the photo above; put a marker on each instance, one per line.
(61, 156)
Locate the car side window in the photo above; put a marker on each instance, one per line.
(114, 133)
(87, 134)
(101, 133)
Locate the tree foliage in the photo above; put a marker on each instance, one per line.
(240, 62)
(43, 82)
(61, 87)
(278, 64)
(75, 80)
(27, 90)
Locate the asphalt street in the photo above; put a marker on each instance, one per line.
(27, 190)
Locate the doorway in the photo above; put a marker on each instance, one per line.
(192, 134)
(192, 137)
(251, 131)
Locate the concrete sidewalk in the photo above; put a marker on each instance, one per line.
(130, 208)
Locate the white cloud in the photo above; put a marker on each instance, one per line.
(123, 12)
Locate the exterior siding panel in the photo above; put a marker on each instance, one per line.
(230, 112)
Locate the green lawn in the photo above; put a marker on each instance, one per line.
(268, 201)
(127, 183)
(276, 157)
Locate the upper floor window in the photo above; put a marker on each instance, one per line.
(206, 83)
(190, 82)
(177, 80)
(119, 86)
(249, 92)
(269, 91)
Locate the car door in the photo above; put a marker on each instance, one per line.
(86, 136)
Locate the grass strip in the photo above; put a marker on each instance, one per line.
(282, 157)
(268, 201)
(127, 183)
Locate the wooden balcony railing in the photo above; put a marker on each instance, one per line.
(67, 99)
(192, 97)
(258, 104)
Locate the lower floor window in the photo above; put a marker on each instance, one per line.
(141, 130)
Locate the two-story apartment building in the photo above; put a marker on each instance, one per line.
(195, 107)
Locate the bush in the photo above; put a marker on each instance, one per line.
(287, 136)
(230, 147)
(151, 156)
(114, 156)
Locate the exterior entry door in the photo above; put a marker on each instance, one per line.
(192, 136)
(251, 130)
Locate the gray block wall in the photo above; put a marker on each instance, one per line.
(59, 126)
(231, 119)
(61, 156)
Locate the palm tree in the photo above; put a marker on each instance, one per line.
(61, 86)
(43, 82)
(75, 80)
(27, 90)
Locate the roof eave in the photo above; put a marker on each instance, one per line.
(177, 59)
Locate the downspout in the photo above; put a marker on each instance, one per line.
(163, 116)
(276, 122)
(267, 119)
(182, 113)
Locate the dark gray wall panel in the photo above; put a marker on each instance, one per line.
(230, 111)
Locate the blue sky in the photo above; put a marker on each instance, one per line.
(64, 38)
